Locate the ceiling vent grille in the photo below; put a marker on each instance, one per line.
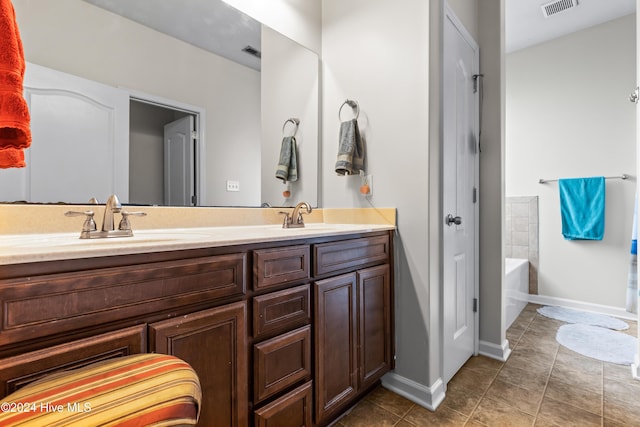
(252, 51)
(555, 7)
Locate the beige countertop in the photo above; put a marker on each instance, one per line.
(37, 247)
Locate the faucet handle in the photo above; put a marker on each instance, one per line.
(89, 223)
(287, 219)
(124, 222)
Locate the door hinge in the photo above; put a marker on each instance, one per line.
(194, 134)
(475, 78)
(194, 200)
(475, 195)
(633, 96)
(475, 305)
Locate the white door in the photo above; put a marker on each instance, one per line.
(80, 146)
(460, 172)
(636, 365)
(179, 161)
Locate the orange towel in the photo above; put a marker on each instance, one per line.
(15, 133)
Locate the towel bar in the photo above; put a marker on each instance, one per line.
(354, 106)
(623, 176)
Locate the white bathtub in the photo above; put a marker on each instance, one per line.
(516, 287)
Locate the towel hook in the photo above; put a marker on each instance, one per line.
(296, 123)
(354, 106)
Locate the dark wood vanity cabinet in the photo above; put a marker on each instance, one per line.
(76, 312)
(310, 334)
(352, 337)
(351, 320)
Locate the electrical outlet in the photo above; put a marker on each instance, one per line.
(233, 185)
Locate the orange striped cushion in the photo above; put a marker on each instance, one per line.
(139, 390)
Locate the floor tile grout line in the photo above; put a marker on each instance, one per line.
(395, 415)
(484, 394)
(577, 407)
(546, 384)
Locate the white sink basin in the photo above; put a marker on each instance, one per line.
(68, 240)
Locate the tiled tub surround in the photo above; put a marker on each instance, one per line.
(522, 234)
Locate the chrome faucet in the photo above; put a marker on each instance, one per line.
(89, 229)
(296, 220)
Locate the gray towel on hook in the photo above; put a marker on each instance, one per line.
(351, 149)
(288, 164)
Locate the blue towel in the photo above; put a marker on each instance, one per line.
(582, 208)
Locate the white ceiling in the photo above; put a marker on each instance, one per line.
(526, 25)
(219, 28)
(208, 24)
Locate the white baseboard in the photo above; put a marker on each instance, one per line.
(585, 306)
(494, 351)
(427, 397)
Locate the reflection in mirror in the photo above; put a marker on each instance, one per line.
(237, 143)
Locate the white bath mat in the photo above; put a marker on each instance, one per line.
(576, 316)
(598, 343)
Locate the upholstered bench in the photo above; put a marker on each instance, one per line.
(137, 390)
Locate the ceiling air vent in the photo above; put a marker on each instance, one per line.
(252, 51)
(555, 7)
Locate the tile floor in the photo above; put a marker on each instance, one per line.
(541, 384)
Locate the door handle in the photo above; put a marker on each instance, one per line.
(450, 219)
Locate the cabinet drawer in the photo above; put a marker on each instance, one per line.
(350, 254)
(272, 267)
(281, 362)
(291, 410)
(281, 311)
(51, 304)
(18, 371)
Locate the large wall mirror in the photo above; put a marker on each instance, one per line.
(235, 102)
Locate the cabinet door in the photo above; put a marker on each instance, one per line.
(335, 340)
(213, 342)
(374, 318)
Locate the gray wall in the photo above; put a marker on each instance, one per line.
(387, 58)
